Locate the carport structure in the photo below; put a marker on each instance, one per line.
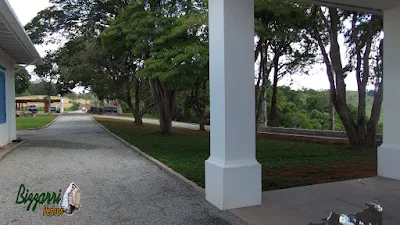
(233, 175)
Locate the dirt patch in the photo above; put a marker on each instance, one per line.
(300, 175)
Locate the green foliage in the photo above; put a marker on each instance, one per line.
(72, 18)
(48, 72)
(308, 109)
(75, 106)
(22, 80)
(170, 39)
(40, 88)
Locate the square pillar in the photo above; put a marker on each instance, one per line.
(233, 175)
(10, 101)
(61, 105)
(389, 151)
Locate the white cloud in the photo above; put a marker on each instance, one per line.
(27, 10)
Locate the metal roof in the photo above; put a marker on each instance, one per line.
(13, 39)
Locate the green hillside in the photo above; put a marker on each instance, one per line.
(352, 98)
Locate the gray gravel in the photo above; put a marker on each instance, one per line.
(118, 185)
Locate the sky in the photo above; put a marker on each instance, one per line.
(317, 79)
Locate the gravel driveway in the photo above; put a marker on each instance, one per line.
(118, 186)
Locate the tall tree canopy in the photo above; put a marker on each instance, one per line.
(73, 18)
(22, 80)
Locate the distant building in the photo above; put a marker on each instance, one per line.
(15, 48)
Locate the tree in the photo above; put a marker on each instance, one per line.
(40, 88)
(48, 73)
(283, 45)
(109, 73)
(86, 59)
(73, 18)
(362, 35)
(180, 60)
(22, 80)
(153, 32)
(127, 65)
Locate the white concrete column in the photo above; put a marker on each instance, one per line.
(233, 175)
(61, 105)
(389, 151)
(10, 101)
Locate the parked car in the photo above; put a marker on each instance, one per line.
(33, 109)
(110, 109)
(53, 108)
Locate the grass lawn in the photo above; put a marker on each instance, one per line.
(145, 116)
(285, 163)
(28, 122)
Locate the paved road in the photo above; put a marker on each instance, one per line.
(118, 186)
(192, 126)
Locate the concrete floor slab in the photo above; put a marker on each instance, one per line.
(303, 205)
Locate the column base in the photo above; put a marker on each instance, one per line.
(231, 185)
(389, 161)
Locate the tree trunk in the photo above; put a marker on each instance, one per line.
(265, 109)
(361, 117)
(341, 102)
(138, 118)
(335, 73)
(186, 111)
(202, 123)
(165, 112)
(331, 116)
(273, 120)
(134, 107)
(257, 89)
(163, 98)
(261, 101)
(348, 123)
(372, 125)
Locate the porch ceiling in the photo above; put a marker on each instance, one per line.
(372, 6)
(13, 39)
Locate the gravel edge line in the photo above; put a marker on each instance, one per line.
(9, 148)
(155, 161)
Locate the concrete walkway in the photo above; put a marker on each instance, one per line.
(302, 205)
(118, 186)
(192, 126)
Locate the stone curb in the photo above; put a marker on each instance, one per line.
(51, 123)
(154, 161)
(9, 148)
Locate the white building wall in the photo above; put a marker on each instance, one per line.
(8, 131)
